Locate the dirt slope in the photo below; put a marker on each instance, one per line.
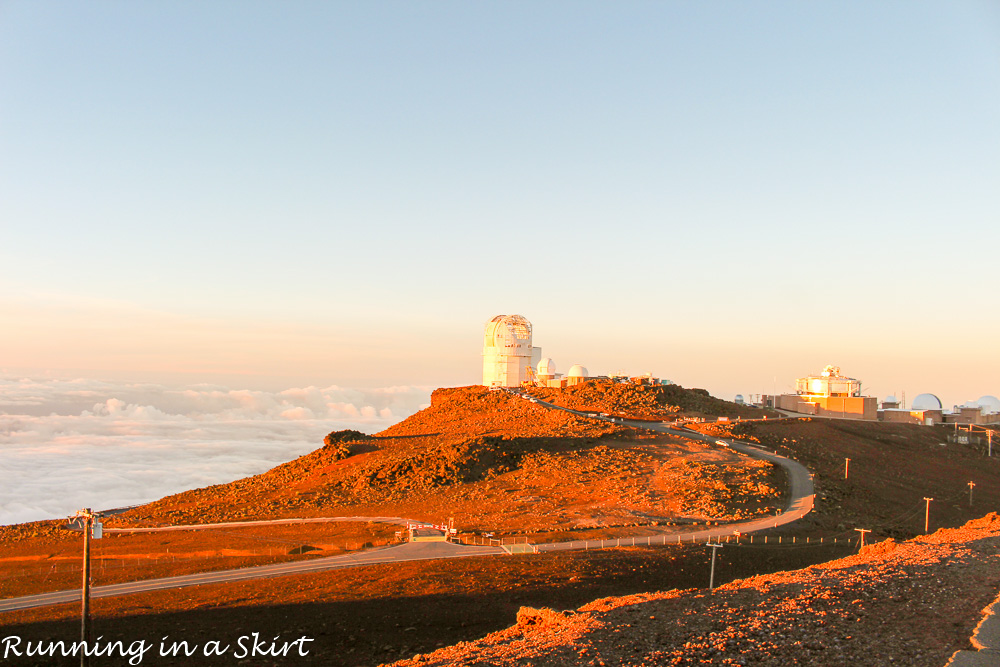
(639, 401)
(893, 468)
(495, 462)
(911, 603)
(465, 436)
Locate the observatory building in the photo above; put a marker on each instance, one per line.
(924, 409)
(508, 356)
(829, 394)
(577, 375)
(927, 409)
(510, 359)
(984, 410)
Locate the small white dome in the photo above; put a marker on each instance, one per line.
(890, 399)
(989, 404)
(546, 367)
(926, 402)
(578, 371)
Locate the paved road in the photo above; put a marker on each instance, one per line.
(800, 504)
(397, 554)
(800, 500)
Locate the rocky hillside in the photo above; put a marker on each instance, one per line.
(910, 603)
(892, 468)
(639, 401)
(497, 462)
(467, 435)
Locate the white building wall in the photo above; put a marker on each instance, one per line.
(507, 351)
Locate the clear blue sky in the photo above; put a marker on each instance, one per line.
(317, 192)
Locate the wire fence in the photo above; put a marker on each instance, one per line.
(490, 541)
(769, 541)
(847, 538)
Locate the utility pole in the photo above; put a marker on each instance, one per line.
(711, 577)
(862, 531)
(847, 467)
(971, 486)
(85, 521)
(927, 514)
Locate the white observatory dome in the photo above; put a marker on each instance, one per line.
(890, 399)
(970, 404)
(578, 371)
(989, 404)
(546, 367)
(926, 402)
(508, 331)
(508, 355)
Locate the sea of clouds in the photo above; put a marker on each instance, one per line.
(67, 444)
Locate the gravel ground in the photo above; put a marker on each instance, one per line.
(909, 603)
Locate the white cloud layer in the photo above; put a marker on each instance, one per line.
(87, 443)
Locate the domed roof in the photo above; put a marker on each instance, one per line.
(890, 399)
(926, 402)
(546, 367)
(508, 331)
(578, 371)
(989, 404)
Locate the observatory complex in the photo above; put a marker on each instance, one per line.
(831, 394)
(828, 394)
(927, 409)
(511, 360)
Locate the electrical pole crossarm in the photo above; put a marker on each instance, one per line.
(862, 531)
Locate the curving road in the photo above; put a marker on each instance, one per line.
(397, 554)
(801, 493)
(800, 503)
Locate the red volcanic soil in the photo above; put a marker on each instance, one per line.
(497, 462)
(893, 468)
(645, 401)
(910, 603)
(381, 613)
(493, 462)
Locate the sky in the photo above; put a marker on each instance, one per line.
(272, 195)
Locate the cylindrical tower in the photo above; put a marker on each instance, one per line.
(507, 351)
